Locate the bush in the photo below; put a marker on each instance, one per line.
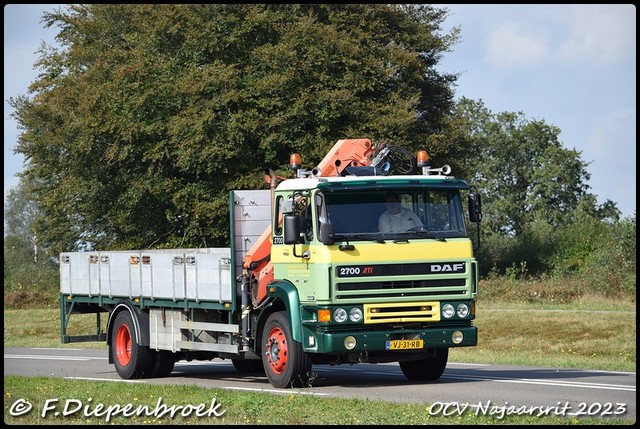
(31, 285)
(527, 254)
(26, 281)
(595, 254)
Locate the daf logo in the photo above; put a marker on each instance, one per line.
(447, 268)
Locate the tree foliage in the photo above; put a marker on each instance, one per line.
(523, 172)
(538, 215)
(27, 273)
(147, 115)
(19, 211)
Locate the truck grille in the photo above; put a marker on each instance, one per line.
(402, 312)
(401, 288)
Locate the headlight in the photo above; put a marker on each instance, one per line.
(447, 311)
(462, 311)
(349, 342)
(355, 314)
(340, 315)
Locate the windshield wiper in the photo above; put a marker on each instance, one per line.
(428, 234)
(363, 237)
(403, 237)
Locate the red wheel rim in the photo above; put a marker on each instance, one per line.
(123, 345)
(277, 353)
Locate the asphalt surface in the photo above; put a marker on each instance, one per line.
(463, 388)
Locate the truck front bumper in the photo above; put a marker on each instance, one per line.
(380, 341)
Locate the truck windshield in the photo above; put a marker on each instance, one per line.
(395, 214)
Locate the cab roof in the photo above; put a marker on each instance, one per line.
(371, 182)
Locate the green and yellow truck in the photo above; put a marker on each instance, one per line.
(310, 278)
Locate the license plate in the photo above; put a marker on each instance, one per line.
(404, 344)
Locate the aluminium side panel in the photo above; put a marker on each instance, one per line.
(251, 217)
(166, 275)
(176, 274)
(75, 273)
(115, 274)
(208, 276)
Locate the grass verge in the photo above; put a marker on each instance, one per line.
(586, 335)
(590, 333)
(83, 402)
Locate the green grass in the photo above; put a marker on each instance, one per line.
(594, 333)
(507, 334)
(586, 331)
(40, 327)
(556, 337)
(82, 400)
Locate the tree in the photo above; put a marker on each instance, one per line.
(26, 267)
(19, 214)
(147, 115)
(523, 172)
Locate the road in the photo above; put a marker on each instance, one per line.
(477, 388)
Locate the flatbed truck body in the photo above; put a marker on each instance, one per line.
(323, 285)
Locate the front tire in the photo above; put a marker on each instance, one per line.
(429, 368)
(131, 360)
(285, 362)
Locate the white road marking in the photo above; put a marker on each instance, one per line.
(559, 383)
(49, 357)
(286, 392)
(393, 373)
(104, 379)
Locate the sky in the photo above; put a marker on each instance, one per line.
(571, 66)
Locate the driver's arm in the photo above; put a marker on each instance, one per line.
(384, 224)
(416, 219)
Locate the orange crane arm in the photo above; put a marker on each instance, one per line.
(344, 153)
(257, 261)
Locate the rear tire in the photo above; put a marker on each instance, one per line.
(428, 369)
(285, 362)
(131, 360)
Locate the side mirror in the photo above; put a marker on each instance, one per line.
(292, 229)
(326, 234)
(475, 208)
